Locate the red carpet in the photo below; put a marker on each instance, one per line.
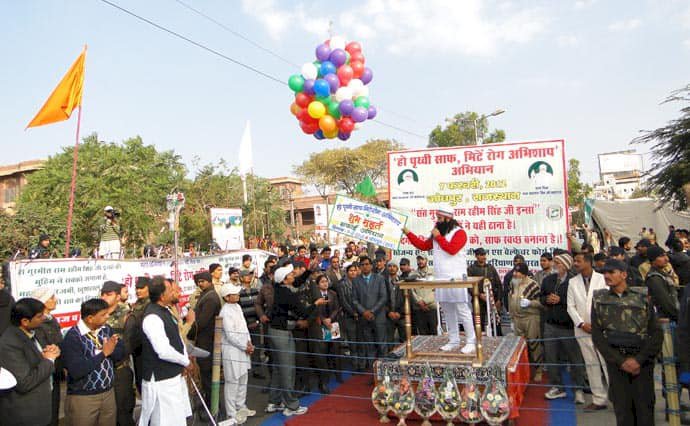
(341, 410)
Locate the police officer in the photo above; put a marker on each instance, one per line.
(626, 333)
(124, 378)
(42, 250)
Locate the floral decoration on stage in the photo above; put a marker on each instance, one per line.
(448, 403)
(381, 397)
(469, 404)
(403, 400)
(495, 405)
(425, 397)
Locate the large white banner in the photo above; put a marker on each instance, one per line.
(227, 228)
(367, 222)
(510, 198)
(77, 280)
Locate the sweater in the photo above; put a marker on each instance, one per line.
(248, 304)
(556, 314)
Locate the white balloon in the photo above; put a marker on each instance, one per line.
(309, 71)
(356, 85)
(362, 91)
(337, 42)
(343, 93)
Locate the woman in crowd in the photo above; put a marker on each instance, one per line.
(286, 309)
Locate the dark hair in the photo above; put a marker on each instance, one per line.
(26, 308)
(586, 256)
(157, 288)
(351, 265)
(363, 258)
(313, 250)
(318, 277)
(622, 241)
(559, 251)
(92, 307)
(246, 257)
(518, 256)
(547, 255)
(212, 267)
(676, 244)
(599, 257)
(298, 264)
(301, 247)
(587, 247)
(283, 249)
(267, 262)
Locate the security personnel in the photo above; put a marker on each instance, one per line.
(124, 377)
(133, 327)
(626, 333)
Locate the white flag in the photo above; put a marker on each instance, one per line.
(246, 161)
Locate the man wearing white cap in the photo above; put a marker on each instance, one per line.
(109, 247)
(447, 240)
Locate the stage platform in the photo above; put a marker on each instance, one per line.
(505, 361)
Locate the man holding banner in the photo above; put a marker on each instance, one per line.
(447, 240)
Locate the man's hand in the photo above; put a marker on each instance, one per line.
(394, 316)
(51, 352)
(368, 315)
(587, 327)
(631, 366)
(435, 232)
(264, 319)
(327, 322)
(482, 297)
(189, 369)
(191, 317)
(553, 299)
(250, 348)
(109, 345)
(302, 323)
(321, 301)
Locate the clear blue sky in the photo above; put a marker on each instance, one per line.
(591, 72)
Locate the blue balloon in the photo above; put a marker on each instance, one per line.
(327, 67)
(322, 88)
(346, 107)
(319, 135)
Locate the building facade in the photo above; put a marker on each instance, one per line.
(13, 178)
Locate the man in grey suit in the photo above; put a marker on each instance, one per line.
(369, 299)
(29, 402)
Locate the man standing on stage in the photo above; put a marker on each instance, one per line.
(447, 240)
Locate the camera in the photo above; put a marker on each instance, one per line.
(116, 213)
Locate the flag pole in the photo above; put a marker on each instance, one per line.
(73, 185)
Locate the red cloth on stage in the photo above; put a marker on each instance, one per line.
(451, 247)
(517, 383)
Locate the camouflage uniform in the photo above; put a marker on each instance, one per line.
(124, 377)
(624, 326)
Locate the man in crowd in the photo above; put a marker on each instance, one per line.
(637, 260)
(164, 398)
(283, 258)
(233, 277)
(660, 285)
(680, 262)
(202, 331)
(325, 259)
(302, 255)
(406, 271)
(559, 337)
(90, 352)
(580, 291)
(507, 279)
(369, 298)
(599, 261)
(6, 304)
(216, 271)
(546, 264)
(124, 377)
(380, 266)
(625, 332)
(423, 301)
(247, 302)
(349, 316)
(525, 311)
(29, 401)
(247, 267)
(350, 256)
(422, 266)
(334, 273)
(396, 304)
(133, 332)
(481, 268)
(619, 254)
(42, 250)
(625, 243)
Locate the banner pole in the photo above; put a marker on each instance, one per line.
(73, 186)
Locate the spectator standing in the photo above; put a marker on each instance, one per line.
(28, 402)
(481, 268)
(396, 305)
(133, 326)
(349, 317)
(247, 304)
(90, 351)
(369, 299)
(42, 249)
(327, 351)
(525, 310)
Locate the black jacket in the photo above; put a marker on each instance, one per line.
(556, 314)
(6, 303)
(681, 265)
(664, 295)
(28, 403)
(207, 309)
(371, 295)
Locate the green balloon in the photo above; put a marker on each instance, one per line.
(334, 109)
(362, 101)
(296, 83)
(324, 100)
(318, 68)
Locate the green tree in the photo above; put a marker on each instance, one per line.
(577, 190)
(669, 175)
(459, 131)
(344, 168)
(132, 177)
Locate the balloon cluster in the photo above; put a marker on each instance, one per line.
(331, 93)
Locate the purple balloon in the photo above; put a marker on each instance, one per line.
(308, 88)
(367, 75)
(346, 107)
(359, 114)
(323, 52)
(343, 136)
(333, 81)
(371, 112)
(338, 57)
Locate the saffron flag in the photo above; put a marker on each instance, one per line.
(65, 98)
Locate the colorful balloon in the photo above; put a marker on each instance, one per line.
(352, 47)
(343, 136)
(296, 83)
(327, 124)
(359, 114)
(346, 107)
(357, 57)
(357, 68)
(322, 88)
(371, 112)
(327, 67)
(332, 134)
(309, 71)
(337, 42)
(345, 74)
(295, 109)
(308, 88)
(302, 100)
(316, 109)
(362, 101)
(319, 135)
(334, 109)
(343, 93)
(346, 125)
(333, 81)
(367, 75)
(338, 57)
(323, 52)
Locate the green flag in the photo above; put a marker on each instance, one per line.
(366, 187)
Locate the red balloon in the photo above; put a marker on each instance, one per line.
(357, 57)
(304, 116)
(309, 128)
(345, 73)
(346, 124)
(353, 47)
(357, 68)
(302, 99)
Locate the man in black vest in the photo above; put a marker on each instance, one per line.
(164, 399)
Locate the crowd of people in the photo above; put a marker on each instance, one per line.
(289, 325)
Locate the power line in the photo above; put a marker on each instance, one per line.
(230, 59)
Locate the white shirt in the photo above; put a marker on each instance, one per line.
(155, 331)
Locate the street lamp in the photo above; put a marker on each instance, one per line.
(483, 116)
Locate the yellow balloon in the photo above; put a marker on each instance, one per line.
(327, 124)
(316, 109)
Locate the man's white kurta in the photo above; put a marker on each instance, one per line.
(448, 266)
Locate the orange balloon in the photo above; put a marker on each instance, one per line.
(295, 109)
(332, 134)
(328, 124)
